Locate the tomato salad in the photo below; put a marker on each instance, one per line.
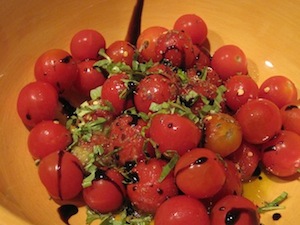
(158, 128)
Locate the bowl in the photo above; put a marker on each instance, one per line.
(268, 32)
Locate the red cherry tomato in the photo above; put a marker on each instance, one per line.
(200, 173)
(88, 77)
(85, 44)
(291, 117)
(107, 192)
(223, 133)
(281, 155)
(56, 67)
(174, 132)
(246, 158)
(37, 101)
(126, 134)
(233, 209)
(203, 57)
(239, 89)
(47, 137)
(147, 192)
(114, 91)
(194, 26)
(233, 184)
(61, 174)
(175, 47)
(146, 42)
(203, 89)
(121, 51)
(278, 89)
(229, 60)
(154, 88)
(260, 120)
(181, 210)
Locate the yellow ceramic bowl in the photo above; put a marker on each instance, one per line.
(267, 31)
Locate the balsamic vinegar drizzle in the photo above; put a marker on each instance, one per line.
(233, 216)
(134, 28)
(66, 212)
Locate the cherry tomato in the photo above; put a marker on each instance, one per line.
(181, 210)
(147, 192)
(85, 44)
(56, 67)
(223, 133)
(88, 77)
(239, 89)
(126, 134)
(246, 158)
(200, 173)
(37, 101)
(47, 137)
(278, 89)
(260, 120)
(61, 174)
(114, 91)
(154, 88)
(229, 60)
(175, 47)
(194, 26)
(164, 70)
(174, 132)
(203, 90)
(121, 51)
(146, 42)
(233, 209)
(281, 155)
(233, 184)
(203, 58)
(291, 117)
(107, 192)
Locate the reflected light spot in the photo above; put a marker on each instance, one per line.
(269, 64)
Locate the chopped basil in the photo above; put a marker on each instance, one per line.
(275, 204)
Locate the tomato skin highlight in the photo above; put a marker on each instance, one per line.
(61, 174)
(174, 132)
(233, 209)
(202, 168)
(46, 137)
(260, 120)
(181, 210)
(37, 101)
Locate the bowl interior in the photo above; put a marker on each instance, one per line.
(267, 32)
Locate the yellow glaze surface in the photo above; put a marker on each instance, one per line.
(267, 31)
